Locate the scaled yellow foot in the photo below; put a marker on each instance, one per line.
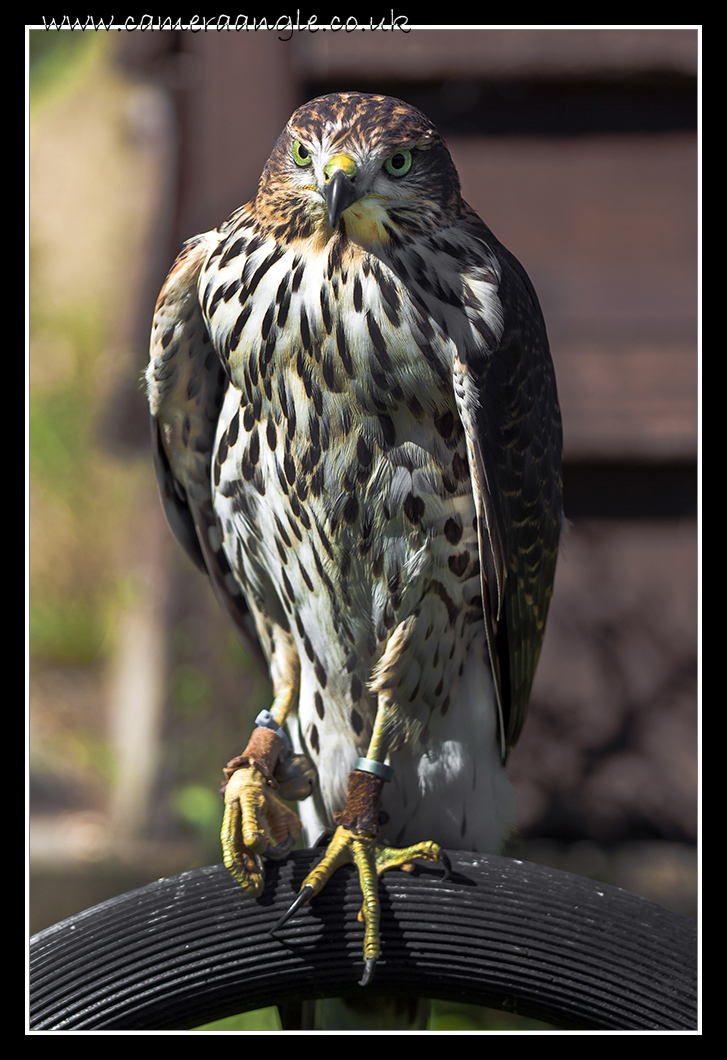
(371, 857)
(256, 822)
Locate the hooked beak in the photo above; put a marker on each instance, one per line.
(339, 187)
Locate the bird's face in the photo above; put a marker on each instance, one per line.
(370, 167)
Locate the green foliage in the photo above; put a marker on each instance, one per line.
(58, 434)
(446, 1016)
(262, 1019)
(55, 57)
(66, 633)
(192, 690)
(200, 808)
(452, 1016)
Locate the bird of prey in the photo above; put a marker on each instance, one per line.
(357, 436)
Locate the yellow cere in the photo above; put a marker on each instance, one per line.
(342, 161)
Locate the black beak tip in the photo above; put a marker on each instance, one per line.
(339, 193)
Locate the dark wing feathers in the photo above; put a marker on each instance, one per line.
(509, 406)
(174, 499)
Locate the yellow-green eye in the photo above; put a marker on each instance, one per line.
(301, 154)
(398, 164)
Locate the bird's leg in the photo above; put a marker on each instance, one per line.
(256, 821)
(356, 839)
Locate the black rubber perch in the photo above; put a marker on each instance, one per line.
(512, 935)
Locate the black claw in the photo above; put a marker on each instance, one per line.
(369, 970)
(323, 839)
(447, 866)
(282, 850)
(300, 899)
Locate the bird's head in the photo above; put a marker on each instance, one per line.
(370, 167)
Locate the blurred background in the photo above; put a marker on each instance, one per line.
(579, 149)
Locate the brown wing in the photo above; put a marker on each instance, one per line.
(508, 402)
(186, 385)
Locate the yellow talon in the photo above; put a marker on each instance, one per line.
(371, 860)
(404, 858)
(355, 839)
(256, 822)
